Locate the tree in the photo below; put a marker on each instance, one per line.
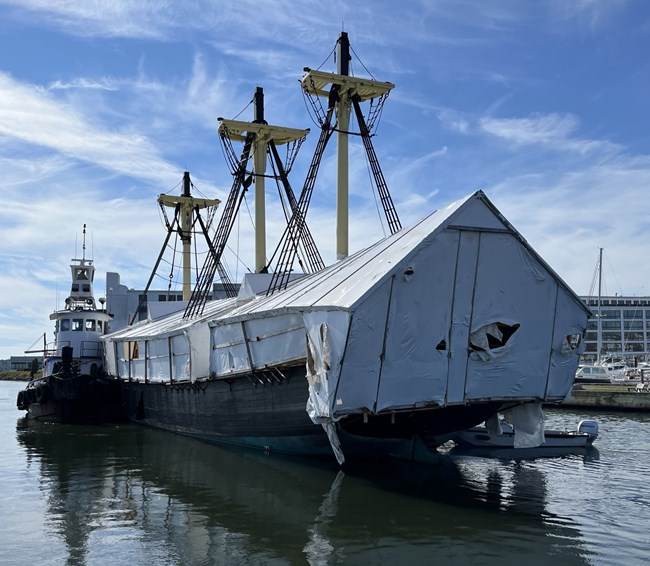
(34, 369)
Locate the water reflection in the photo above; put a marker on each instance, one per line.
(166, 498)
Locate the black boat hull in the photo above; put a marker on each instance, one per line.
(266, 412)
(73, 399)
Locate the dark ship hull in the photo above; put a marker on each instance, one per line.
(74, 399)
(268, 413)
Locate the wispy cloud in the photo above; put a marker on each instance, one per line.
(83, 83)
(589, 14)
(30, 114)
(554, 131)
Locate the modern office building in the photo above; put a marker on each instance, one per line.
(624, 328)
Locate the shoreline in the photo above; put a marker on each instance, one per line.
(14, 375)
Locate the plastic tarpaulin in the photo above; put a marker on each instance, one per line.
(136, 353)
(229, 352)
(514, 310)
(180, 357)
(198, 336)
(359, 378)
(528, 422)
(158, 360)
(327, 333)
(257, 343)
(276, 339)
(416, 361)
(568, 344)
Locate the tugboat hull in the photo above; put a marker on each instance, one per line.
(74, 399)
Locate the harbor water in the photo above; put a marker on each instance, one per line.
(75, 495)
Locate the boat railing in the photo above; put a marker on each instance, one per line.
(91, 349)
(87, 349)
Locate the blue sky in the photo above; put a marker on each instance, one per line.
(103, 105)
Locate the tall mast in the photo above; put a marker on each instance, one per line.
(261, 135)
(599, 338)
(347, 91)
(342, 179)
(186, 204)
(259, 165)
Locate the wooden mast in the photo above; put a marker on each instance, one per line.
(186, 204)
(342, 179)
(347, 89)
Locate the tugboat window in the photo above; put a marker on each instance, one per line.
(65, 324)
(82, 274)
(77, 324)
(90, 325)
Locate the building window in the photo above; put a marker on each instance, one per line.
(631, 336)
(634, 315)
(612, 336)
(614, 313)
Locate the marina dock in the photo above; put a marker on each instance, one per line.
(616, 397)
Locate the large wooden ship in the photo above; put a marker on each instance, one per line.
(431, 330)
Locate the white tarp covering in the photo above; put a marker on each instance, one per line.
(276, 339)
(246, 345)
(528, 422)
(472, 315)
(229, 352)
(416, 361)
(326, 337)
(158, 360)
(138, 349)
(453, 310)
(180, 357)
(327, 333)
(568, 344)
(513, 294)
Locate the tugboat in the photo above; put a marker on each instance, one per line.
(73, 387)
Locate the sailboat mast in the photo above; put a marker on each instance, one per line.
(343, 120)
(599, 334)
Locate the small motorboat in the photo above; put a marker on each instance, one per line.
(479, 437)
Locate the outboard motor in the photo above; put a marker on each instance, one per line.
(590, 427)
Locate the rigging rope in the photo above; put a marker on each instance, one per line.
(361, 62)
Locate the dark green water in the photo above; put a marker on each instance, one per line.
(130, 495)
